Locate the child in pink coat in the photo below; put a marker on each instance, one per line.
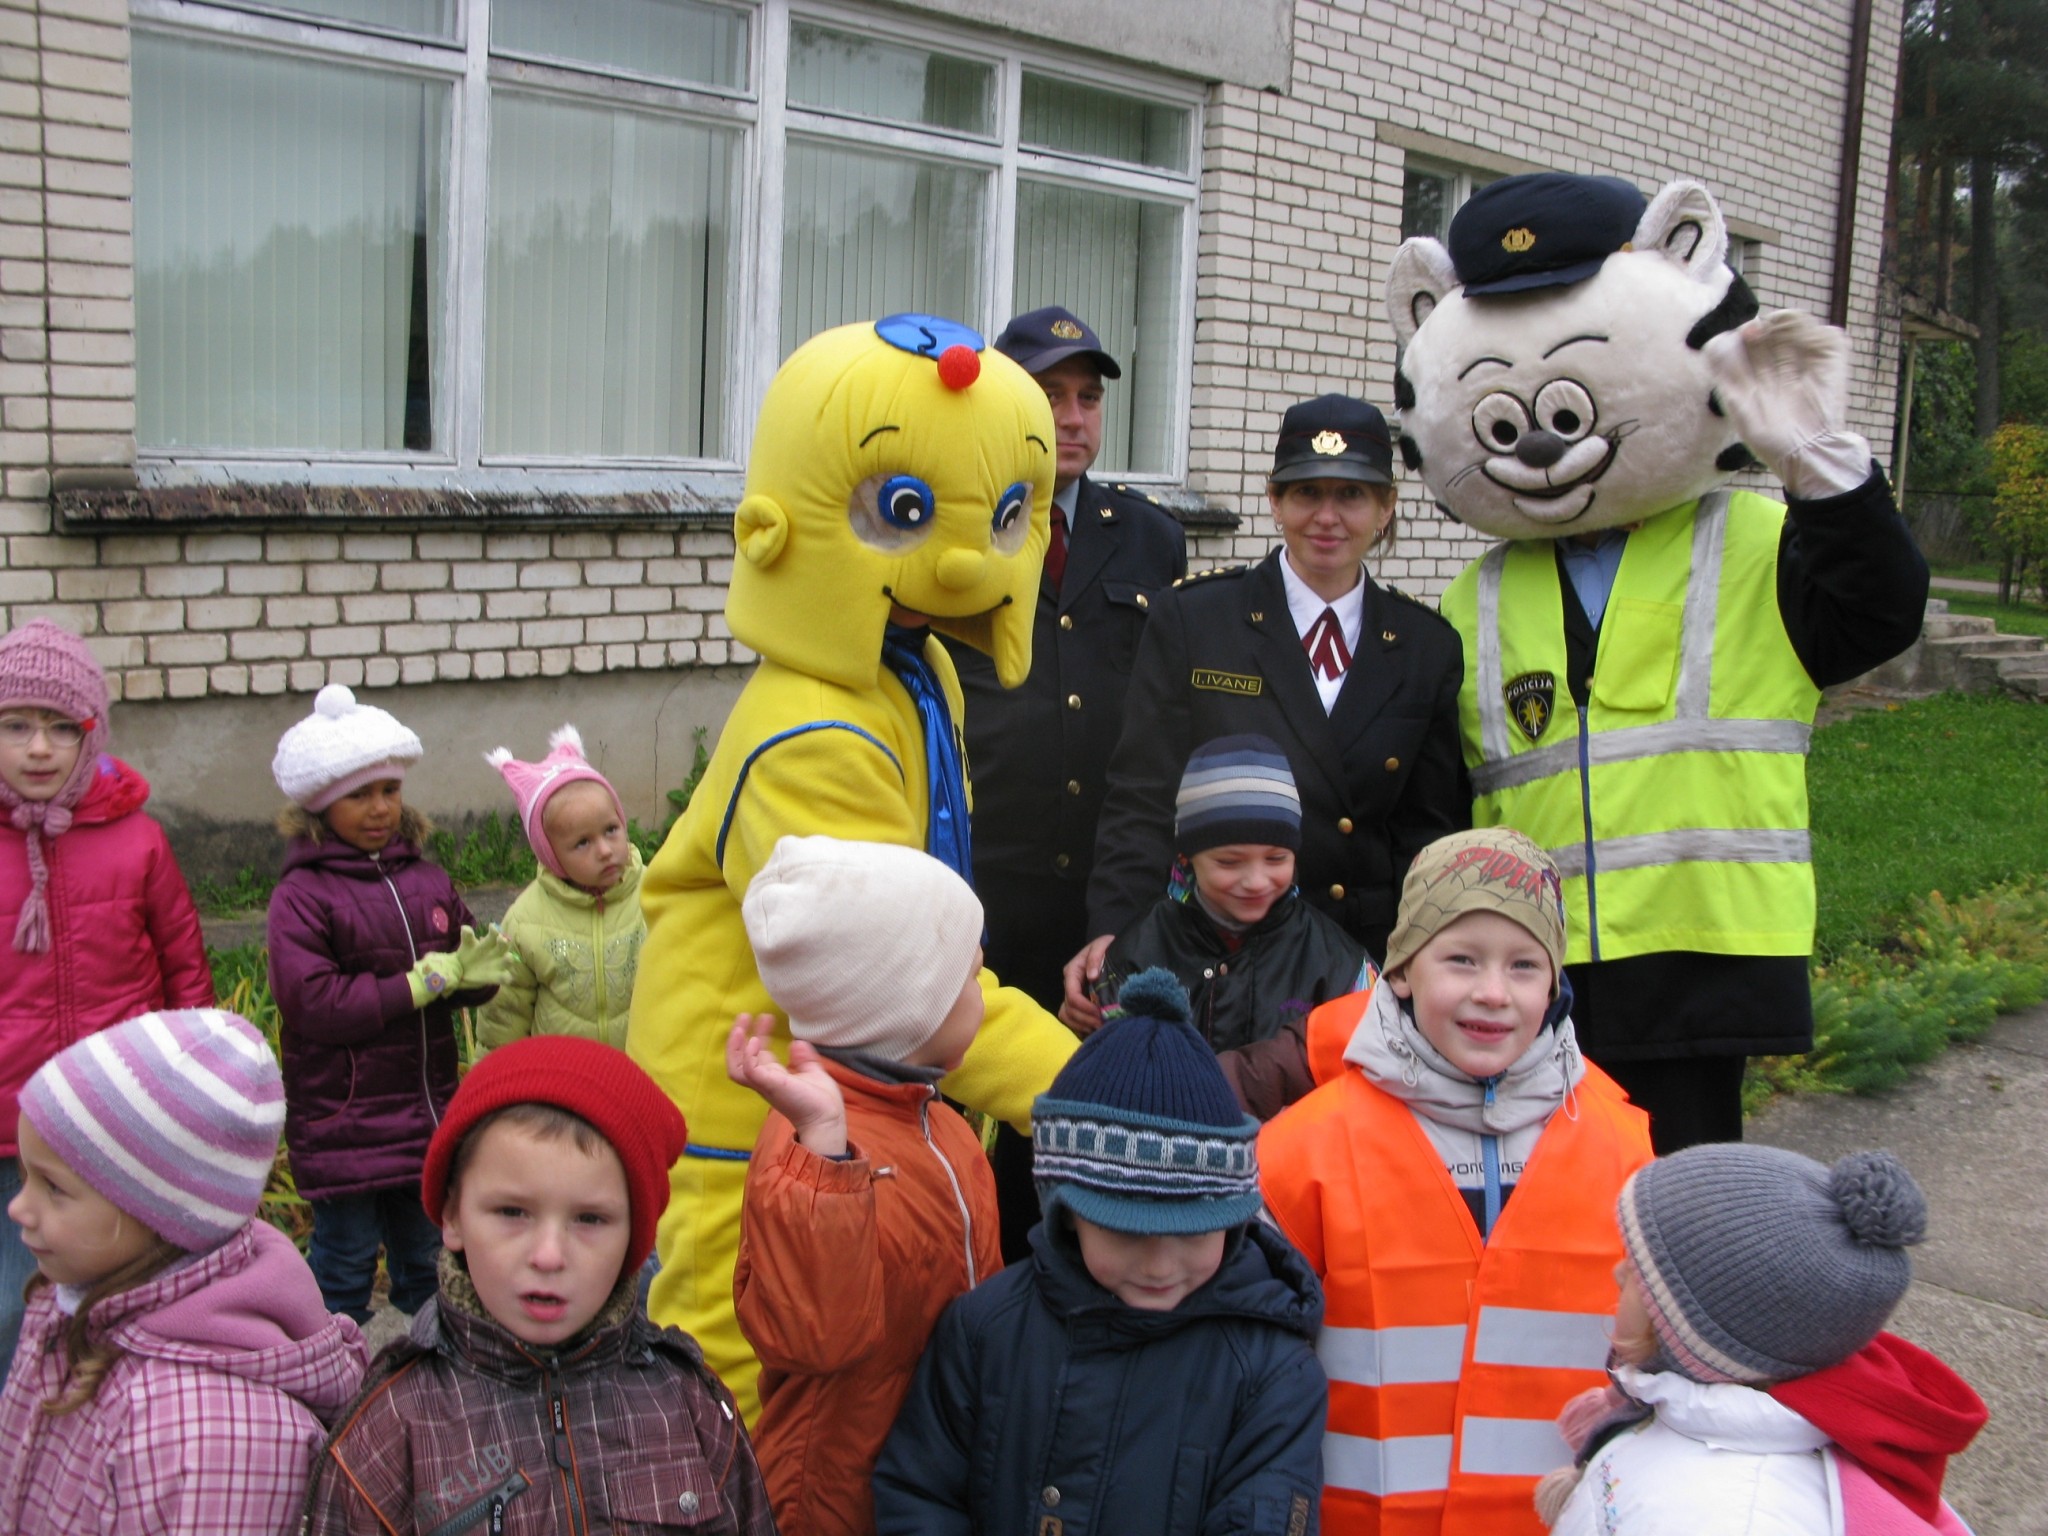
(96, 924)
(177, 1369)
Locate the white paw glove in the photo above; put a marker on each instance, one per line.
(1783, 378)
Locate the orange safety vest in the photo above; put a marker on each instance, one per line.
(1448, 1359)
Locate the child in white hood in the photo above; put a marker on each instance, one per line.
(1449, 1180)
(1753, 1392)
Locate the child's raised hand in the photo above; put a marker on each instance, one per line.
(485, 959)
(803, 1092)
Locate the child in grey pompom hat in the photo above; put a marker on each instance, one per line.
(1753, 1385)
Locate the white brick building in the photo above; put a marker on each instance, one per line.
(411, 343)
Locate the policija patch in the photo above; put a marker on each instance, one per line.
(1530, 699)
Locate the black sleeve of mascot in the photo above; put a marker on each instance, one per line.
(1852, 584)
(1134, 838)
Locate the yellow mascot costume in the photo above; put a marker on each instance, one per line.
(901, 481)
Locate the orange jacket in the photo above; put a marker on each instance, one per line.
(1448, 1359)
(844, 1268)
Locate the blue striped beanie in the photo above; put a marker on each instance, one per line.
(173, 1117)
(1140, 1132)
(1237, 789)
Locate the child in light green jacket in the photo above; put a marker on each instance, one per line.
(577, 929)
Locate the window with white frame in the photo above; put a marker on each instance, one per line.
(404, 237)
(1433, 190)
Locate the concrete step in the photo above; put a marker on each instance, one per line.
(1945, 626)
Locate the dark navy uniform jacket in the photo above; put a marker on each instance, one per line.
(1380, 775)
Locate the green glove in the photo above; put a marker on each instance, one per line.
(435, 976)
(485, 958)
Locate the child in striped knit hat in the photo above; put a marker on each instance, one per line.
(177, 1368)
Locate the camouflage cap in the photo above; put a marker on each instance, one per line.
(1489, 869)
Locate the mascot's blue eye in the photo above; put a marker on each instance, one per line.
(1015, 502)
(905, 502)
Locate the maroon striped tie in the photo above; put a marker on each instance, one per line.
(1324, 642)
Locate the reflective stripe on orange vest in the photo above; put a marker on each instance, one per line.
(1448, 1359)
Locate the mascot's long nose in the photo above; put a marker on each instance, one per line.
(961, 569)
(1540, 449)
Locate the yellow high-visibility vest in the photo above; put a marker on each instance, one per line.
(1674, 797)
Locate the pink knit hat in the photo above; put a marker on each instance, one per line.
(534, 784)
(45, 666)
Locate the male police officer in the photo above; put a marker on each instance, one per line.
(1039, 754)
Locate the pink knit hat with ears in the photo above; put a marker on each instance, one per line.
(534, 784)
(45, 666)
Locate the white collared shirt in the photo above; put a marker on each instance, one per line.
(1305, 607)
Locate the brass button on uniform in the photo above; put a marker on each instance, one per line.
(1050, 1498)
(1393, 765)
(1144, 601)
(1066, 621)
(1073, 786)
(1344, 825)
(1336, 893)
(1062, 861)
(1073, 701)
(1223, 970)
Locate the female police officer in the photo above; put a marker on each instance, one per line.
(1358, 683)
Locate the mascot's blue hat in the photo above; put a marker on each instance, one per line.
(1541, 231)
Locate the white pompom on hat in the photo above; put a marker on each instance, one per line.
(863, 945)
(339, 748)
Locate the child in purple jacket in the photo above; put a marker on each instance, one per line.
(371, 953)
(177, 1370)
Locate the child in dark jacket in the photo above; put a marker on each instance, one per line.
(96, 924)
(1152, 1367)
(533, 1397)
(1256, 958)
(869, 1204)
(371, 953)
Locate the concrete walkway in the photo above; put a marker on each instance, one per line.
(1963, 584)
(1972, 1126)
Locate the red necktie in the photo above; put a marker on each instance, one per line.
(1056, 551)
(1324, 642)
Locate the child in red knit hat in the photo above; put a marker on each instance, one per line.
(533, 1395)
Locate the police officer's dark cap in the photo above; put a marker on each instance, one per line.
(1541, 231)
(1039, 339)
(1334, 437)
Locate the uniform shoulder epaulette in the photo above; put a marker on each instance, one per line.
(1409, 597)
(1209, 575)
(1124, 490)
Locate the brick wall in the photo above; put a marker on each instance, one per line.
(1300, 215)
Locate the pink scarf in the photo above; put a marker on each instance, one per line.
(38, 819)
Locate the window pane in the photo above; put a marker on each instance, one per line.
(1115, 262)
(288, 251)
(844, 73)
(416, 18)
(865, 235)
(664, 39)
(1083, 120)
(606, 295)
(1425, 204)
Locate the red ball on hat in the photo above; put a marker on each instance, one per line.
(597, 1083)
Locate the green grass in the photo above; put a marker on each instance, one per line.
(1946, 794)
(2013, 618)
(1980, 570)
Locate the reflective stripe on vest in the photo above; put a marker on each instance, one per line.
(1653, 792)
(1448, 1360)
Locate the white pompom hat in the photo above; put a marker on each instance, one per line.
(339, 748)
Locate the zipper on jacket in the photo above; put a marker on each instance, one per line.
(604, 1006)
(1586, 814)
(488, 1512)
(412, 948)
(1489, 1157)
(565, 1461)
(924, 1124)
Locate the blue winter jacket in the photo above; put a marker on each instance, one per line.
(1044, 1406)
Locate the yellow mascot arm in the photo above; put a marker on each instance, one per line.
(833, 783)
